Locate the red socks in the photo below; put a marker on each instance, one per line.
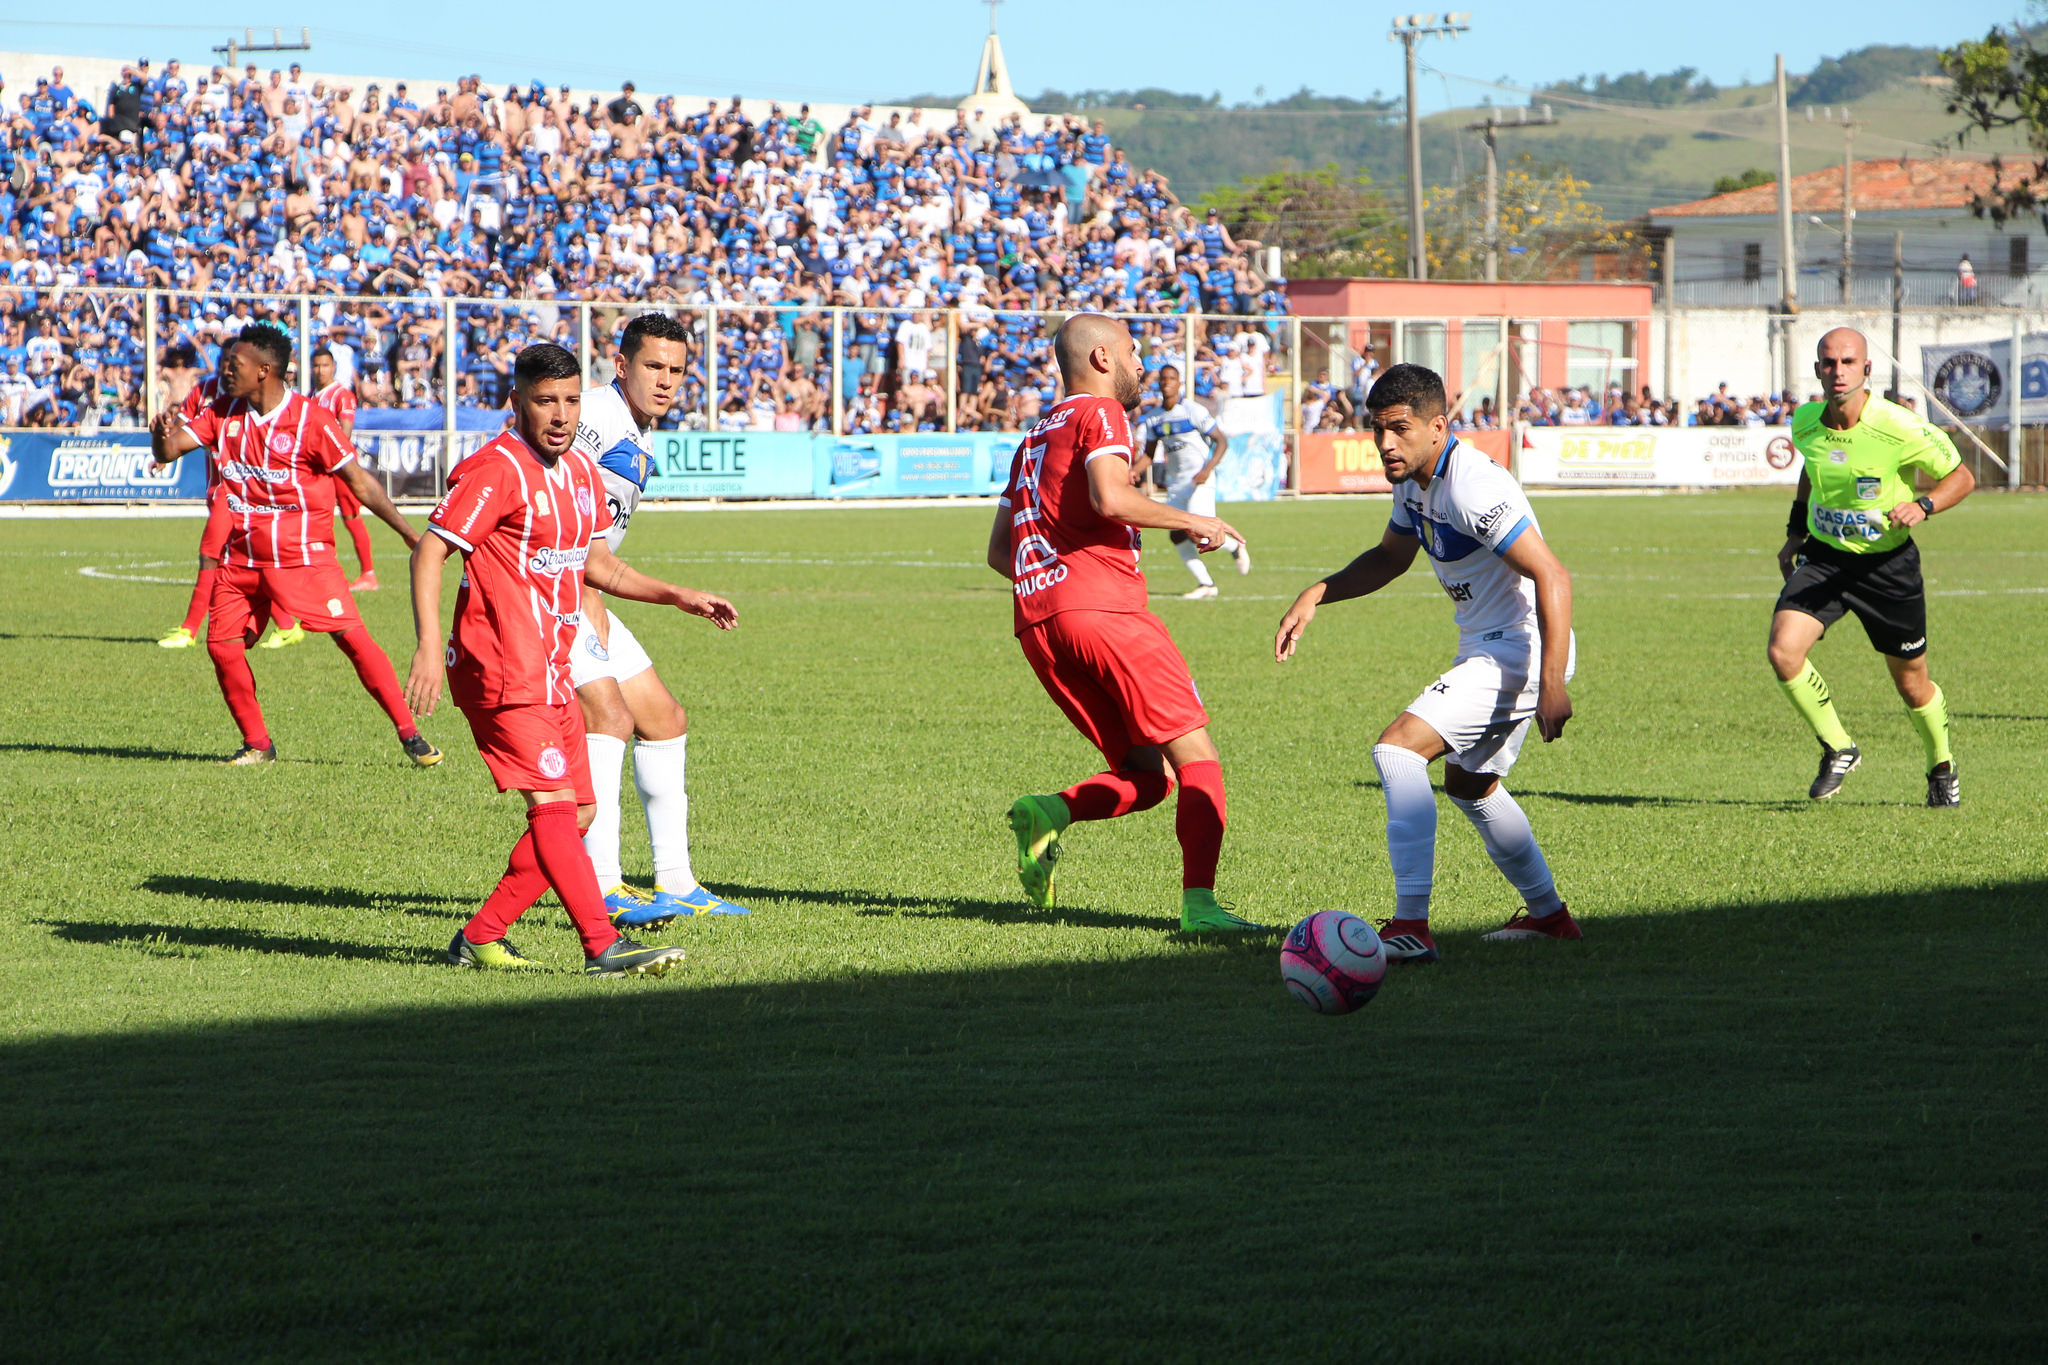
(238, 686)
(558, 846)
(547, 855)
(1198, 823)
(1105, 796)
(377, 676)
(202, 594)
(361, 535)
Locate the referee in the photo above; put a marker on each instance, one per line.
(1849, 548)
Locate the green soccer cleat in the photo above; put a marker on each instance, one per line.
(180, 638)
(282, 639)
(627, 958)
(1202, 913)
(1037, 822)
(496, 956)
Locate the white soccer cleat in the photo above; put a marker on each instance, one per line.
(1200, 594)
(1243, 555)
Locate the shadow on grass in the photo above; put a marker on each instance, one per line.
(158, 937)
(114, 751)
(883, 905)
(1991, 715)
(1772, 1105)
(1634, 799)
(236, 890)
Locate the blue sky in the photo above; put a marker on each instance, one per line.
(849, 50)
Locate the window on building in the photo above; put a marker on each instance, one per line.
(1752, 262)
(2016, 257)
(1422, 343)
(1477, 360)
(1600, 354)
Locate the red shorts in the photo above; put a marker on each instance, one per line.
(534, 748)
(214, 538)
(315, 595)
(346, 504)
(1118, 677)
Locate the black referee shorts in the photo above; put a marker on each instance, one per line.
(1883, 590)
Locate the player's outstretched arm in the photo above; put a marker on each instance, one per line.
(1530, 557)
(1111, 494)
(169, 437)
(1368, 573)
(372, 495)
(429, 671)
(620, 579)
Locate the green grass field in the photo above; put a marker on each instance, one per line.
(1786, 1100)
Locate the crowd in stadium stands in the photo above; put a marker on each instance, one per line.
(521, 204)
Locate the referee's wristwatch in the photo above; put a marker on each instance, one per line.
(1926, 505)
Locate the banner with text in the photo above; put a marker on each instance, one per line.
(1656, 457)
(1975, 379)
(109, 466)
(1348, 461)
(731, 464)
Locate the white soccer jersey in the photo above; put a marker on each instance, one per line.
(1472, 511)
(1181, 431)
(622, 449)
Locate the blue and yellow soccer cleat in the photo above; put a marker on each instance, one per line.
(699, 902)
(1037, 822)
(631, 908)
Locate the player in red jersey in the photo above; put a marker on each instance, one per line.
(528, 513)
(215, 535)
(276, 453)
(340, 400)
(1066, 535)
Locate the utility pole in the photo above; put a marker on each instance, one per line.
(233, 50)
(1848, 208)
(1408, 29)
(1788, 268)
(1898, 303)
(1490, 127)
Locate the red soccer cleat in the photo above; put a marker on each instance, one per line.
(1407, 940)
(1524, 927)
(367, 583)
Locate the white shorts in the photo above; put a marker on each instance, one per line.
(1198, 499)
(1483, 705)
(619, 659)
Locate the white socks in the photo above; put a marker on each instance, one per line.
(658, 772)
(601, 840)
(1511, 845)
(1192, 557)
(1411, 827)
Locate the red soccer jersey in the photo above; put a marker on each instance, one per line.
(196, 398)
(339, 399)
(524, 530)
(1066, 555)
(274, 468)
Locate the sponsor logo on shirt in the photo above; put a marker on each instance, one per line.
(1845, 523)
(255, 473)
(1459, 592)
(477, 508)
(1868, 486)
(1491, 518)
(551, 561)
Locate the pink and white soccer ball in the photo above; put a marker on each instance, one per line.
(1333, 962)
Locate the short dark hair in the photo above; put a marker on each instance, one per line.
(659, 326)
(544, 360)
(271, 341)
(317, 353)
(1414, 387)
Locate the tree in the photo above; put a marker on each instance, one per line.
(1324, 223)
(1748, 180)
(1545, 221)
(2001, 81)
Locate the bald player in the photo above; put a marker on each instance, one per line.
(1849, 549)
(1066, 536)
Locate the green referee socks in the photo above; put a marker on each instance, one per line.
(1931, 721)
(1811, 699)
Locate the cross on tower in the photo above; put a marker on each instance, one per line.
(992, 13)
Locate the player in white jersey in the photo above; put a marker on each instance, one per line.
(1515, 655)
(1192, 445)
(623, 698)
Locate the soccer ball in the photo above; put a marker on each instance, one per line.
(1333, 962)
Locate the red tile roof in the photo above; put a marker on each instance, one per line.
(1892, 183)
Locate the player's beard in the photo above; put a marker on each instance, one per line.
(1129, 389)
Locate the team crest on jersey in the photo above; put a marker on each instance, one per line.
(583, 502)
(280, 443)
(540, 502)
(1868, 487)
(552, 763)
(598, 651)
